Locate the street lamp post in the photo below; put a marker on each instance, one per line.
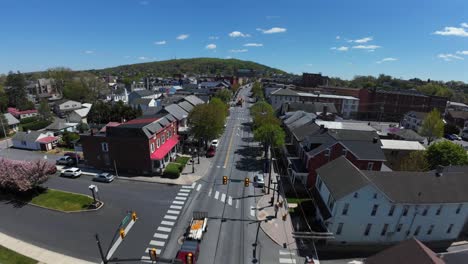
(193, 162)
(94, 190)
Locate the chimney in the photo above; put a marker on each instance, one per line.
(375, 140)
(439, 171)
(325, 109)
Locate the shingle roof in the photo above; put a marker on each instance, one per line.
(409, 134)
(186, 106)
(458, 114)
(27, 136)
(58, 124)
(307, 118)
(11, 120)
(193, 100)
(341, 177)
(141, 101)
(143, 93)
(411, 251)
(303, 131)
(177, 111)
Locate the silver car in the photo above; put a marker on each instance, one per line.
(259, 180)
(104, 177)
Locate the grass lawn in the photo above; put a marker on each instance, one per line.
(63, 201)
(173, 170)
(182, 160)
(10, 257)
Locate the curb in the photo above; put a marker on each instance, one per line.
(149, 181)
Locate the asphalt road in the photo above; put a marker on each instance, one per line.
(228, 241)
(73, 233)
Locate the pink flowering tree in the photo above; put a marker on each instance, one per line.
(23, 176)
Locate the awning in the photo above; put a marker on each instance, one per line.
(161, 152)
(46, 140)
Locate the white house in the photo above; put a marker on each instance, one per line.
(35, 140)
(63, 107)
(413, 120)
(376, 207)
(79, 115)
(11, 123)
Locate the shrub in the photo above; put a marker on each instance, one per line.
(36, 125)
(29, 120)
(22, 176)
(172, 170)
(182, 160)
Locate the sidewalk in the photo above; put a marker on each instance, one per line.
(40, 254)
(278, 230)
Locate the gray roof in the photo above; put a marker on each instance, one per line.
(310, 107)
(284, 92)
(301, 132)
(25, 136)
(141, 101)
(142, 93)
(341, 177)
(11, 120)
(177, 111)
(186, 106)
(193, 100)
(293, 117)
(306, 119)
(408, 134)
(58, 124)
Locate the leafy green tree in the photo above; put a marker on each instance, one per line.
(61, 75)
(206, 121)
(225, 95)
(76, 90)
(432, 126)
(44, 110)
(235, 87)
(17, 95)
(257, 91)
(82, 127)
(415, 161)
(261, 112)
(68, 138)
(3, 126)
(446, 153)
(3, 100)
(219, 104)
(270, 134)
(451, 129)
(99, 113)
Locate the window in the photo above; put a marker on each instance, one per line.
(374, 209)
(105, 147)
(356, 195)
(158, 142)
(370, 165)
(416, 232)
(439, 210)
(168, 134)
(405, 211)
(340, 229)
(330, 202)
(399, 226)
(424, 213)
(319, 184)
(459, 209)
(449, 229)
(392, 209)
(163, 138)
(23, 143)
(152, 147)
(345, 209)
(327, 152)
(344, 152)
(375, 195)
(368, 228)
(429, 231)
(384, 230)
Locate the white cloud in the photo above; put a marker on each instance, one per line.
(366, 47)
(272, 30)
(453, 31)
(449, 57)
(238, 50)
(343, 48)
(337, 37)
(228, 57)
(211, 46)
(363, 40)
(253, 45)
(142, 58)
(213, 37)
(238, 34)
(387, 59)
(162, 42)
(182, 37)
(89, 51)
(464, 25)
(463, 52)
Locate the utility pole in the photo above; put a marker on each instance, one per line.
(104, 260)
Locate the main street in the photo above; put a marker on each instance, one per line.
(229, 240)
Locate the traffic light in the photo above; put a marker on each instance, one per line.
(189, 258)
(134, 216)
(152, 254)
(122, 233)
(225, 180)
(247, 182)
(284, 216)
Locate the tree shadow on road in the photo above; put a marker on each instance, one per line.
(248, 162)
(20, 199)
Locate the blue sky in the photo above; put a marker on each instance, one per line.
(424, 39)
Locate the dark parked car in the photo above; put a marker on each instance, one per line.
(73, 155)
(65, 160)
(211, 152)
(450, 137)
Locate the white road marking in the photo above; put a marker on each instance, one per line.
(216, 195)
(283, 260)
(209, 193)
(173, 212)
(237, 204)
(177, 202)
(157, 243)
(119, 240)
(218, 166)
(164, 229)
(158, 251)
(187, 187)
(252, 211)
(168, 223)
(175, 207)
(193, 185)
(184, 190)
(223, 197)
(230, 200)
(282, 252)
(199, 187)
(172, 217)
(158, 235)
(224, 167)
(183, 194)
(181, 198)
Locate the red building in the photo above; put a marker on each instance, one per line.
(140, 146)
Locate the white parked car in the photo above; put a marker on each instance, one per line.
(72, 172)
(259, 180)
(215, 143)
(104, 177)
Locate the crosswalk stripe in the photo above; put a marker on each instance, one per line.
(193, 185)
(157, 243)
(175, 207)
(237, 204)
(184, 190)
(187, 187)
(181, 198)
(172, 217)
(158, 235)
(283, 260)
(173, 212)
(209, 193)
(158, 251)
(282, 252)
(223, 197)
(216, 195)
(183, 194)
(199, 187)
(164, 229)
(168, 223)
(252, 211)
(230, 200)
(177, 202)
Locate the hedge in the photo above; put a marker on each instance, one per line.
(29, 120)
(172, 170)
(40, 124)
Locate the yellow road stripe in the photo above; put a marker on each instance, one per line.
(229, 147)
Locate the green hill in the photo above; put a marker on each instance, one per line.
(203, 66)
